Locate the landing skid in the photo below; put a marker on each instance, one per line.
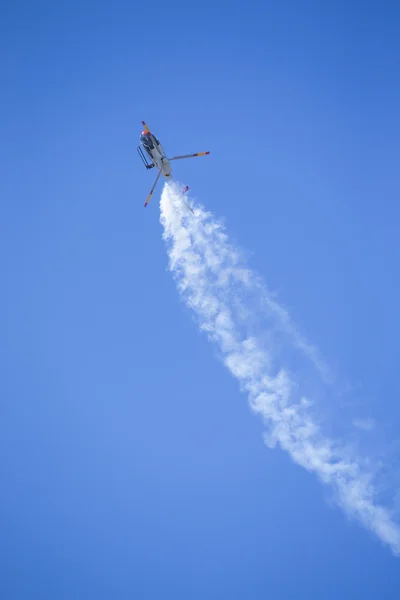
(145, 161)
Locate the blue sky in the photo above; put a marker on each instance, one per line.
(131, 464)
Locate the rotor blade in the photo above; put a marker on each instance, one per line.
(152, 189)
(189, 155)
(147, 130)
(189, 207)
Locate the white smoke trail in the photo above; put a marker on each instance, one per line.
(230, 303)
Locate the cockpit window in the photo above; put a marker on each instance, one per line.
(147, 141)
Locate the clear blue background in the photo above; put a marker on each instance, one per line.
(131, 465)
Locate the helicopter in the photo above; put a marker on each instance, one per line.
(153, 155)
